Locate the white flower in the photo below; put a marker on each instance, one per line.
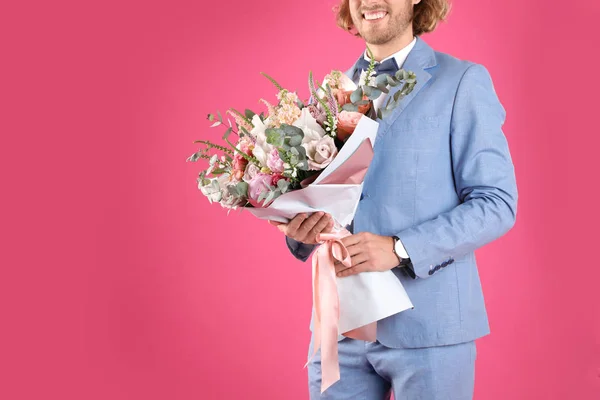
(251, 171)
(261, 147)
(311, 128)
(363, 77)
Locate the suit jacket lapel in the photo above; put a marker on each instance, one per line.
(419, 60)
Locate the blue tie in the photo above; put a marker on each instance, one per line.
(389, 66)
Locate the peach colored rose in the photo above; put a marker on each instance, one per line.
(346, 125)
(320, 152)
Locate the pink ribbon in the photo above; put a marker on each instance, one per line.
(327, 306)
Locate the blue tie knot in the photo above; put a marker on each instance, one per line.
(389, 66)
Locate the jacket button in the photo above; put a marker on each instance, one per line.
(431, 272)
(362, 196)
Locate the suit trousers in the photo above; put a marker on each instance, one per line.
(371, 371)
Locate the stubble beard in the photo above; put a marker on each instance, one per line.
(395, 27)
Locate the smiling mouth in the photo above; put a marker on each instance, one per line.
(374, 15)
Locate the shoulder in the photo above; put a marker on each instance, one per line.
(458, 70)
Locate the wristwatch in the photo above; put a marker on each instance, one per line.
(397, 249)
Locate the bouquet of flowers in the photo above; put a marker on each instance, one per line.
(290, 147)
(303, 158)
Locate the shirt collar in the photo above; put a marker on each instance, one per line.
(400, 56)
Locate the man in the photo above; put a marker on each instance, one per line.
(441, 184)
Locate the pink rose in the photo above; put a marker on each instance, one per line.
(320, 152)
(259, 184)
(276, 178)
(347, 121)
(275, 163)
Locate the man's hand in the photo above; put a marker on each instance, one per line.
(305, 229)
(369, 252)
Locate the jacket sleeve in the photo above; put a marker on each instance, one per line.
(299, 250)
(302, 251)
(484, 178)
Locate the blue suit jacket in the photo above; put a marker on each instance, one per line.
(443, 181)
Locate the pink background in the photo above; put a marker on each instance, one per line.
(119, 281)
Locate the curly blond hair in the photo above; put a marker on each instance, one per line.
(426, 17)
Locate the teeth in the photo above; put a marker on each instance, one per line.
(375, 15)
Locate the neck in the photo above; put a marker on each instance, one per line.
(382, 51)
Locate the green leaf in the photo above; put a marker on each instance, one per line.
(295, 141)
(249, 114)
(242, 188)
(227, 132)
(274, 137)
(362, 103)
(383, 88)
(381, 80)
(220, 117)
(270, 197)
(374, 93)
(290, 130)
(261, 196)
(357, 95)
(211, 117)
(350, 107)
(398, 95)
(379, 115)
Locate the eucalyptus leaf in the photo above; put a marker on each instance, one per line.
(367, 90)
(381, 79)
(383, 88)
(362, 103)
(270, 197)
(282, 183)
(274, 137)
(290, 130)
(262, 196)
(295, 141)
(301, 152)
(379, 115)
(242, 188)
(356, 95)
(350, 107)
(397, 95)
(375, 93)
(220, 116)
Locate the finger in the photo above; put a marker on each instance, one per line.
(329, 227)
(352, 239)
(275, 223)
(355, 249)
(303, 231)
(354, 270)
(295, 223)
(322, 224)
(354, 262)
